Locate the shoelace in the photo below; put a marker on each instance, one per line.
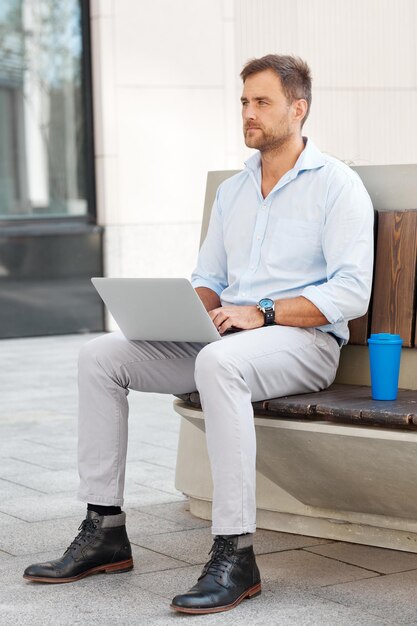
(222, 552)
(87, 529)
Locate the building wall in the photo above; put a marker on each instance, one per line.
(160, 117)
(363, 56)
(167, 87)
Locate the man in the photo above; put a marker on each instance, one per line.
(287, 261)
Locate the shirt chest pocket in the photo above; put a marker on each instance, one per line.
(293, 244)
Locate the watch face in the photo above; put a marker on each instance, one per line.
(266, 303)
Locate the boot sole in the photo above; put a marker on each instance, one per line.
(249, 593)
(110, 568)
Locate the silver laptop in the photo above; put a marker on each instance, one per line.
(157, 309)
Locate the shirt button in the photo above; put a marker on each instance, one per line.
(258, 237)
(252, 267)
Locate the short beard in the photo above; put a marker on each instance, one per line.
(272, 143)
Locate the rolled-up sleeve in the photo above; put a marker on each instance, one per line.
(211, 270)
(348, 250)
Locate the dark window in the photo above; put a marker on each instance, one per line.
(43, 169)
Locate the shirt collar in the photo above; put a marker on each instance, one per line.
(311, 158)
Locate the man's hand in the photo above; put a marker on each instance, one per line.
(243, 317)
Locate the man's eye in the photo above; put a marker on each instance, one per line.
(262, 103)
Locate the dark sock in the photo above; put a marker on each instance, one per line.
(104, 510)
(243, 541)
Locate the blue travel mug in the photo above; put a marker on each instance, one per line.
(384, 359)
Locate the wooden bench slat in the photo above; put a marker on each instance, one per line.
(395, 275)
(306, 404)
(344, 404)
(359, 330)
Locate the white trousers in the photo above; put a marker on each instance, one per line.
(229, 374)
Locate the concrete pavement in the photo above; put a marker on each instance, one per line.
(306, 581)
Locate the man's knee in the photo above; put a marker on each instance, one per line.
(100, 352)
(212, 362)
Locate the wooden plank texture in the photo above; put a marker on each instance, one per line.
(359, 330)
(395, 275)
(342, 404)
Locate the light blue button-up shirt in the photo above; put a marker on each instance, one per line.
(312, 236)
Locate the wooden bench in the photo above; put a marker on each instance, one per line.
(335, 463)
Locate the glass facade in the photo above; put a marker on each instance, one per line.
(50, 245)
(42, 115)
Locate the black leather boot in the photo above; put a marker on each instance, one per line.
(229, 577)
(102, 545)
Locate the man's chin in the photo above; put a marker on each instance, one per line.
(252, 143)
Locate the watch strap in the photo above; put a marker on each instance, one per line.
(269, 317)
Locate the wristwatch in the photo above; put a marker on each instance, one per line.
(267, 306)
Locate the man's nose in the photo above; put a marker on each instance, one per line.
(249, 112)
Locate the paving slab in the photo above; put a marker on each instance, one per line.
(99, 599)
(26, 538)
(41, 507)
(168, 584)
(190, 546)
(158, 435)
(177, 512)
(390, 595)
(9, 489)
(8, 522)
(306, 581)
(16, 438)
(40, 454)
(271, 541)
(306, 570)
(153, 476)
(284, 604)
(140, 522)
(35, 477)
(41, 536)
(147, 561)
(379, 560)
(294, 608)
(139, 495)
(151, 453)
(5, 555)
(194, 545)
(61, 435)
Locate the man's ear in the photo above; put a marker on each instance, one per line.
(300, 107)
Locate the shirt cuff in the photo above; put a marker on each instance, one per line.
(322, 302)
(199, 282)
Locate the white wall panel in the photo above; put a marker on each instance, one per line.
(167, 88)
(363, 56)
(159, 249)
(333, 124)
(107, 190)
(113, 248)
(387, 125)
(358, 43)
(169, 42)
(168, 140)
(151, 250)
(264, 26)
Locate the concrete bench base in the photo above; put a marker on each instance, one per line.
(349, 483)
